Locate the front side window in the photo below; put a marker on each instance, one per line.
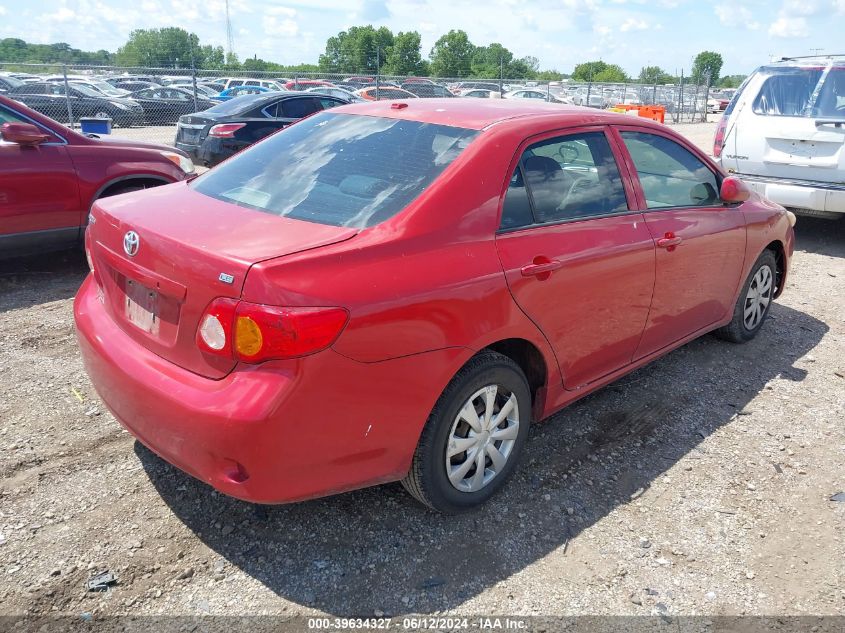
(337, 169)
(7, 116)
(670, 175)
(573, 177)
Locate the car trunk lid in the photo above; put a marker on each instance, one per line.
(182, 261)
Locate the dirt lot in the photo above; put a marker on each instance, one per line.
(698, 485)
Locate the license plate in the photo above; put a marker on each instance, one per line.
(141, 307)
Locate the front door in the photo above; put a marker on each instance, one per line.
(700, 241)
(39, 195)
(577, 260)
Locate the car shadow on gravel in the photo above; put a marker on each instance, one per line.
(822, 237)
(26, 281)
(376, 550)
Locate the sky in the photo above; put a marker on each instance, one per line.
(560, 33)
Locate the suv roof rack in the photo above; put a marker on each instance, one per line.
(787, 59)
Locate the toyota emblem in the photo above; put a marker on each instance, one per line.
(131, 243)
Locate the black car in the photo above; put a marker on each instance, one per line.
(134, 85)
(9, 83)
(122, 78)
(165, 104)
(426, 90)
(211, 136)
(49, 99)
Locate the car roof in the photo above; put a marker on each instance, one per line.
(480, 114)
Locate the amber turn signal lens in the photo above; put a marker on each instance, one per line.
(248, 338)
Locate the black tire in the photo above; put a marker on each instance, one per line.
(738, 331)
(427, 479)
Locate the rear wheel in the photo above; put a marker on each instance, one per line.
(755, 300)
(474, 436)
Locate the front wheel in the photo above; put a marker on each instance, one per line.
(755, 300)
(474, 436)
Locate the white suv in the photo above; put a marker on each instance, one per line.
(783, 133)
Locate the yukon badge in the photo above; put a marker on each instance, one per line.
(131, 243)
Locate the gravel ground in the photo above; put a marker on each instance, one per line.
(700, 484)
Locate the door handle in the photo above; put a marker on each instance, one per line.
(541, 268)
(670, 240)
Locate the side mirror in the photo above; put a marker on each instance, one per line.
(23, 134)
(734, 190)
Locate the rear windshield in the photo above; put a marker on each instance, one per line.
(236, 105)
(343, 170)
(815, 92)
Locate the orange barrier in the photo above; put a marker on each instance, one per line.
(653, 112)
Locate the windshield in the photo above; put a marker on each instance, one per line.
(86, 90)
(802, 91)
(342, 170)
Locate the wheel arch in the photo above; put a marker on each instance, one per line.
(777, 248)
(530, 360)
(116, 184)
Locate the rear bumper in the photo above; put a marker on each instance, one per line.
(804, 197)
(297, 429)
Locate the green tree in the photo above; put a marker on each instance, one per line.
(549, 75)
(707, 64)
(489, 61)
(167, 47)
(611, 74)
(403, 58)
(588, 71)
(654, 75)
(731, 81)
(361, 49)
(452, 55)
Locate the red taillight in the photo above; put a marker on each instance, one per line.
(225, 130)
(719, 140)
(253, 333)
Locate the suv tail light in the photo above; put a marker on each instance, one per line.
(253, 333)
(719, 140)
(225, 130)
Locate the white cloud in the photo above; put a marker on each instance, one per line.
(789, 27)
(287, 11)
(634, 24)
(2, 10)
(62, 15)
(284, 27)
(736, 16)
(800, 7)
(839, 6)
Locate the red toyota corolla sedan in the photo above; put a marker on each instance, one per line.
(395, 291)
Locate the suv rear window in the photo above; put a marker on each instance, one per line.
(794, 91)
(338, 169)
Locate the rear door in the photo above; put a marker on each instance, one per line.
(781, 130)
(39, 194)
(579, 261)
(700, 242)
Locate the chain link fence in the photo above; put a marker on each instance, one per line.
(146, 103)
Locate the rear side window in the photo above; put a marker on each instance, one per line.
(300, 107)
(337, 169)
(573, 177)
(516, 210)
(670, 175)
